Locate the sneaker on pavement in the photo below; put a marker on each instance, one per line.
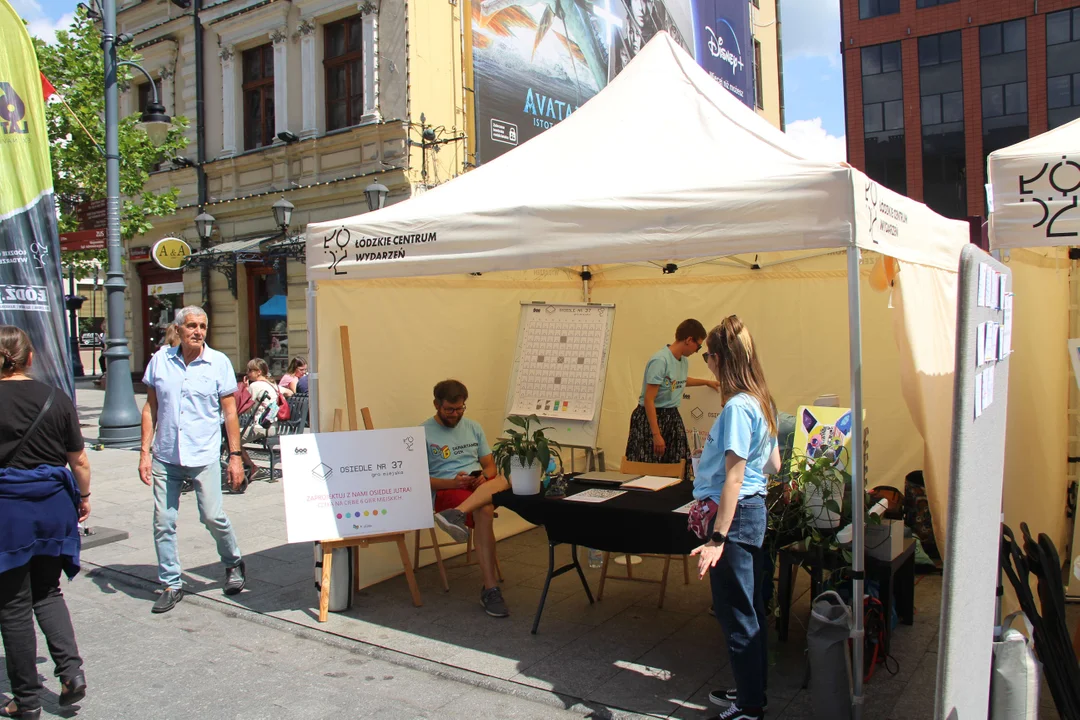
(736, 713)
(727, 697)
(493, 602)
(235, 578)
(452, 522)
(167, 600)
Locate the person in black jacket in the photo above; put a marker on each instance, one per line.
(42, 503)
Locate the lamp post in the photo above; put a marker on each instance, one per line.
(376, 194)
(120, 422)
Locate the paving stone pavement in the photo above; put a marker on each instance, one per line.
(205, 659)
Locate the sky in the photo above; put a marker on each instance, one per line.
(813, 81)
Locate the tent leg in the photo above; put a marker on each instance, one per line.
(313, 359)
(857, 479)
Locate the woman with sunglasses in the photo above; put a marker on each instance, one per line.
(657, 434)
(729, 512)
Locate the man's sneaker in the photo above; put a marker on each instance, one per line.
(493, 602)
(235, 578)
(167, 600)
(736, 713)
(723, 698)
(452, 522)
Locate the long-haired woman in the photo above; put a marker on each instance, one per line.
(730, 512)
(41, 505)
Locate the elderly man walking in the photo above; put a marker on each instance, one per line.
(189, 390)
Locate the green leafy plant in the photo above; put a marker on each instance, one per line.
(528, 445)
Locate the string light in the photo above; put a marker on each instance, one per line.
(264, 193)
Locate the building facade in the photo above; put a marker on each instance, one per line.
(313, 101)
(934, 86)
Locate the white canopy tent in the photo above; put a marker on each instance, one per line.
(664, 164)
(1035, 215)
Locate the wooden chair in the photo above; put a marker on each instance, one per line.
(436, 547)
(658, 470)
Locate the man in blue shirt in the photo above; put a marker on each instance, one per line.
(463, 479)
(189, 390)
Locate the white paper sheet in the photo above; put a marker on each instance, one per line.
(684, 509)
(651, 482)
(988, 388)
(982, 284)
(595, 495)
(1008, 307)
(980, 345)
(990, 348)
(978, 394)
(1001, 348)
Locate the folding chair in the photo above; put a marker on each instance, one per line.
(659, 470)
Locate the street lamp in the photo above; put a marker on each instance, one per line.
(204, 225)
(283, 213)
(120, 422)
(376, 195)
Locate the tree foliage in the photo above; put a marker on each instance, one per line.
(76, 67)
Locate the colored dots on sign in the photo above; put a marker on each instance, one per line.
(339, 516)
(383, 512)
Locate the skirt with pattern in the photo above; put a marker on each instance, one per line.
(639, 444)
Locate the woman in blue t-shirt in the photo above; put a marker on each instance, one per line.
(730, 512)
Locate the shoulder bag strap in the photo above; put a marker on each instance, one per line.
(33, 426)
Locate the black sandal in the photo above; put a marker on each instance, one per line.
(72, 691)
(11, 710)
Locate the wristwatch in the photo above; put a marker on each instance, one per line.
(236, 453)
(719, 538)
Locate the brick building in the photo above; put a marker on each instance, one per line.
(934, 86)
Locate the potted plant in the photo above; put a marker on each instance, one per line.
(523, 457)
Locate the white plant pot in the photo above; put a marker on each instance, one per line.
(524, 480)
(820, 516)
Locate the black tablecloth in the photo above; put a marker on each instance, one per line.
(639, 521)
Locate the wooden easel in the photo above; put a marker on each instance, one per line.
(328, 546)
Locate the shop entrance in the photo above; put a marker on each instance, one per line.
(163, 295)
(268, 295)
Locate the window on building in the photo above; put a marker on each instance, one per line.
(258, 97)
(1003, 69)
(932, 3)
(941, 83)
(759, 86)
(874, 8)
(1063, 67)
(883, 116)
(344, 63)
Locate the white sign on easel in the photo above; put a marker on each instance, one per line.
(353, 484)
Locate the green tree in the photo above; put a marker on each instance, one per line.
(76, 67)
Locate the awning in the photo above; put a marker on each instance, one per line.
(234, 251)
(294, 247)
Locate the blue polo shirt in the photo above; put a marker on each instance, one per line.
(743, 429)
(670, 374)
(189, 413)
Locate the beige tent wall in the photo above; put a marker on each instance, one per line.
(1037, 437)
(797, 313)
(409, 333)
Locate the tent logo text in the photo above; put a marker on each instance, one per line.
(1063, 178)
(12, 111)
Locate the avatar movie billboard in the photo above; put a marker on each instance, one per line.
(535, 62)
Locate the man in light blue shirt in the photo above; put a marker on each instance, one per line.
(189, 393)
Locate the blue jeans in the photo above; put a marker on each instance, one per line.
(737, 588)
(168, 481)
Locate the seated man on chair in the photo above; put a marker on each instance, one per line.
(463, 479)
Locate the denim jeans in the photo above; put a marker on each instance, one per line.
(25, 592)
(168, 481)
(737, 589)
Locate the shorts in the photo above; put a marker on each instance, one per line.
(450, 499)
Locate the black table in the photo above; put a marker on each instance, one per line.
(896, 576)
(639, 521)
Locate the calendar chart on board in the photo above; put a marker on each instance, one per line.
(561, 364)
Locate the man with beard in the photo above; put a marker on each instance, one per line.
(463, 479)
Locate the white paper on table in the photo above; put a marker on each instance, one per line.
(684, 509)
(651, 482)
(978, 394)
(980, 345)
(988, 387)
(982, 284)
(594, 495)
(1008, 307)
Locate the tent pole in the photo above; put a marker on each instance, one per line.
(857, 480)
(584, 283)
(313, 358)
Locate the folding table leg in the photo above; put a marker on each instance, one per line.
(547, 584)
(581, 573)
